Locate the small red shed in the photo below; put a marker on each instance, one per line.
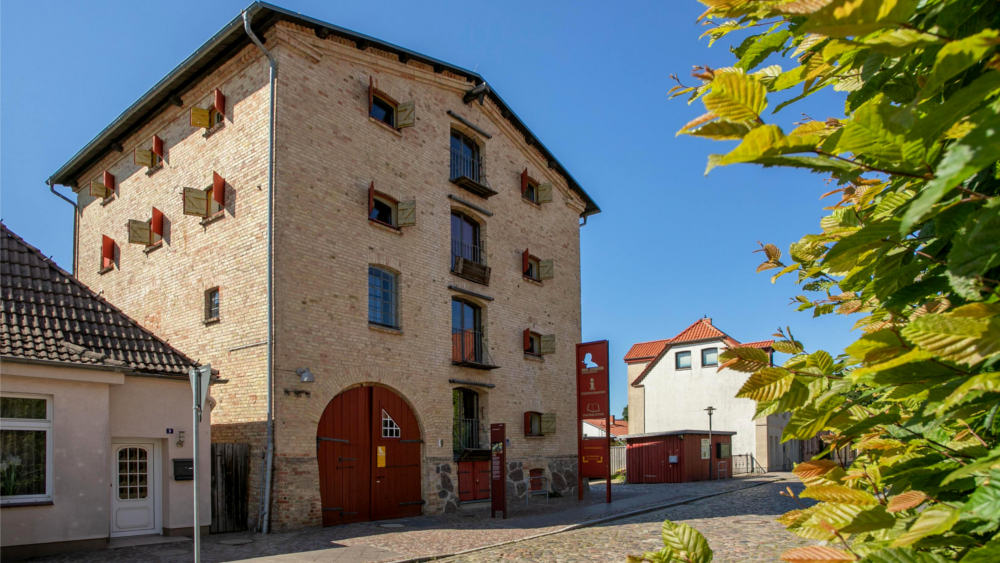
(678, 456)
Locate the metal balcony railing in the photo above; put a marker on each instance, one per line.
(468, 348)
(469, 252)
(465, 434)
(463, 165)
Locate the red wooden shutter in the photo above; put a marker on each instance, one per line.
(109, 182)
(158, 146)
(218, 189)
(220, 101)
(525, 264)
(524, 181)
(371, 198)
(527, 339)
(157, 224)
(107, 251)
(371, 94)
(527, 424)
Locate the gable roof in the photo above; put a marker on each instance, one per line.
(618, 427)
(49, 316)
(226, 44)
(700, 330)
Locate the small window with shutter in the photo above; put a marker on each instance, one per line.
(107, 254)
(208, 202)
(538, 344)
(533, 190)
(151, 158)
(212, 117)
(387, 211)
(534, 268)
(146, 233)
(385, 110)
(532, 424)
(104, 188)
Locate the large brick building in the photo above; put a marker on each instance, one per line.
(426, 265)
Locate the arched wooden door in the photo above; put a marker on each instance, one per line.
(369, 457)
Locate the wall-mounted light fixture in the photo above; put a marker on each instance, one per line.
(305, 375)
(180, 439)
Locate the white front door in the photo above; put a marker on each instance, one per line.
(134, 488)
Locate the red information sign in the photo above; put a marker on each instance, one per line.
(498, 470)
(593, 402)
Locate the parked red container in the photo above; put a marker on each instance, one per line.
(676, 457)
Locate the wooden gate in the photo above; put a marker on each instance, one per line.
(230, 487)
(473, 480)
(368, 446)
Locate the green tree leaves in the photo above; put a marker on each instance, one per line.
(736, 97)
(957, 56)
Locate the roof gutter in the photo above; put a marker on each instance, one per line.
(265, 509)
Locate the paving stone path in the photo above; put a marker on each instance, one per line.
(739, 527)
(471, 527)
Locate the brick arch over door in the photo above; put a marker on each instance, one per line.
(369, 457)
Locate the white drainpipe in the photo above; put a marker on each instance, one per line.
(269, 461)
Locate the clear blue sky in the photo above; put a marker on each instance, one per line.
(589, 78)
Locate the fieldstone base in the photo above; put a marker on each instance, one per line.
(447, 487)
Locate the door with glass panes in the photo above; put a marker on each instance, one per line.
(133, 489)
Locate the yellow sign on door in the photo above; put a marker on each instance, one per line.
(380, 458)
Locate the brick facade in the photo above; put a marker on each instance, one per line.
(327, 153)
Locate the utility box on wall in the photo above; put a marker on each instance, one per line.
(183, 470)
(677, 457)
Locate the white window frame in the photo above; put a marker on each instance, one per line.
(34, 425)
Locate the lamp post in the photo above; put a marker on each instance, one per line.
(710, 410)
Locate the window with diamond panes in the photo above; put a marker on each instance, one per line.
(133, 473)
(389, 427)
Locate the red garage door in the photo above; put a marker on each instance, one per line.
(369, 457)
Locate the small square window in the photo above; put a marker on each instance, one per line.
(533, 269)
(383, 211)
(383, 111)
(215, 117)
(710, 357)
(683, 360)
(532, 424)
(212, 304)
(531, 192)
(534, 344)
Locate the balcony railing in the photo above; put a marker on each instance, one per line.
(469, 262)
(468, 348)
(467, 173)
(470, 252)
(465, 435)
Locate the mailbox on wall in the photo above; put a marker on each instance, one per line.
(183, 470)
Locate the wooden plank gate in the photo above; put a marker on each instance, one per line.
(618, 459)
(230, 487)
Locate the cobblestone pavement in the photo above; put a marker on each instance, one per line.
(739, 527)
(431, 535)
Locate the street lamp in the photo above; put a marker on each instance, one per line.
(710, 410)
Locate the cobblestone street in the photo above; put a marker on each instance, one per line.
(738, 524)
(739, 527)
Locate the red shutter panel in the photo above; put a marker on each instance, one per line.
(157, 224)
(107, 251)
(371, 94)
(527, 339)
(525, 264)
(218, 189)
(220, 101)
(371, 198)
(158, 146)
(524, 181)
(109, 182)
(527, 424)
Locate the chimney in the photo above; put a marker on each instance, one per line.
(708, 321)
(612, 420)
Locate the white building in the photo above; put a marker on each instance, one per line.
(673, 381)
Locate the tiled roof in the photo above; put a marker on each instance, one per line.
(702, 329)
(618, 427)
(50, 315)
(645, 351)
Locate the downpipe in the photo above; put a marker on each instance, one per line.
(76, 213)
(265, 511)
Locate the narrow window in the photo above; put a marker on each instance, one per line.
(534, 344)
(383, 111)
(465, 239)
(683, 360)
(532, 424)
(382, 297)
(533, 269)
(710, 357)
(25, 448)
(389, 427)
(212, 304)
(530, 193)
(464, 157)
(466, 331)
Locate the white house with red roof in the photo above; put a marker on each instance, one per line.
(673, 381)
(596, 428)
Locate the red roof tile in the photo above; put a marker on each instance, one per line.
(644, 351)
(618, 427)
(702, 329)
